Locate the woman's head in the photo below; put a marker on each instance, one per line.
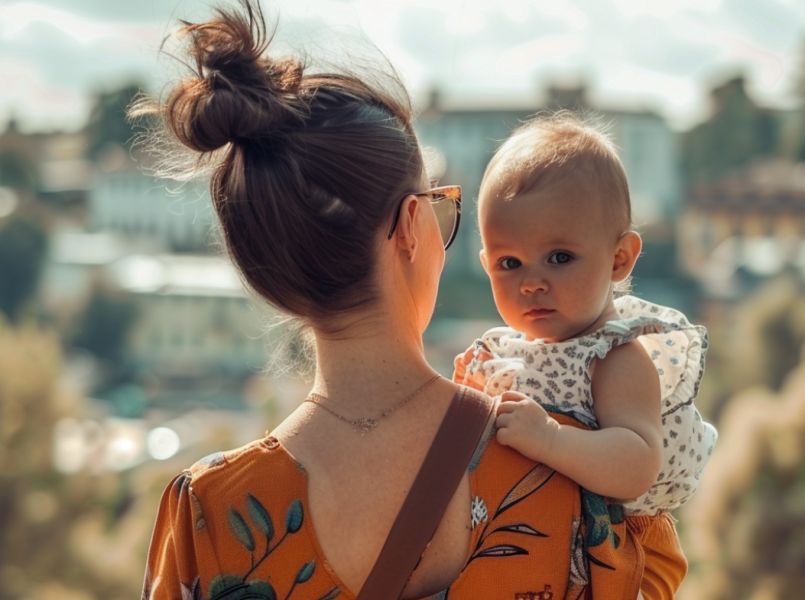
(307, 169)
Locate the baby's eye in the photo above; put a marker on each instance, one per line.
(560, 258)
(507, 263)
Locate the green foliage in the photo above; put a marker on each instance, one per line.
(744, 521)
(17, 172)
(105, 324)
(771, 333)
(108, 125)
(738, 132)
(59, 527)
(23, 249)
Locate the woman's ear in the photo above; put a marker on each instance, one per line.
(627, 251)
(407, 241)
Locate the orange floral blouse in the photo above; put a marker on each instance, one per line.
(235, 525)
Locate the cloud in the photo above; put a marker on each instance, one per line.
(64, 56)
(665, 53)
(135, 11)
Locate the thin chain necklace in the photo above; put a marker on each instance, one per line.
(367, 424)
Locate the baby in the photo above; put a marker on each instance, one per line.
(555, 221)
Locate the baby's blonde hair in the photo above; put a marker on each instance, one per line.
(550, 147)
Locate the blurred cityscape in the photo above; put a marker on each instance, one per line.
(129, 348)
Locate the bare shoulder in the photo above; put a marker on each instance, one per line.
(628, 361)
(626, 388)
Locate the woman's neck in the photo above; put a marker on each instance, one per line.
(370, 365)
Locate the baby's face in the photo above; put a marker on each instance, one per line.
(549, 254)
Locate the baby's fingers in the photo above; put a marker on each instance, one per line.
(510, 402)
(504, 420)
(511, 396)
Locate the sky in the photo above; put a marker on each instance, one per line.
(662, 55)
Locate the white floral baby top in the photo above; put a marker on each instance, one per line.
(559, 376)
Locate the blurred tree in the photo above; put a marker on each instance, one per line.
(107, 126)
(17, 172)
(737, 132)
(799, 90)
(104, 325)
(77, 532)
(743, 529)
(739, 529)
(770, 334)
(19, 168)
(23, 249)
(43, 511)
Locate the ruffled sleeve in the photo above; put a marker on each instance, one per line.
(172, 565)
(677, 348)
(675, 345)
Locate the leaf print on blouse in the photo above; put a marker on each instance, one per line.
(535, 479)
(478, 512)
(262, 534)
(599, 515)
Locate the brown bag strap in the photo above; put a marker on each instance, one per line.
(434, 486)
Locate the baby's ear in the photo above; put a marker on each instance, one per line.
(484, 260)
(627, 252)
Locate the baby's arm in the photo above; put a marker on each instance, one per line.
(619, 460)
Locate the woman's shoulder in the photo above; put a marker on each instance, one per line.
(523, 521)
(253, 465)
(530, 535)
(223, 513)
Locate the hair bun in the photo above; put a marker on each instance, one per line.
(239, 94)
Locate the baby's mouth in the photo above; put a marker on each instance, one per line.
(539, 313)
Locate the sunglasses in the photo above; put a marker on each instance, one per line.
(446, 202)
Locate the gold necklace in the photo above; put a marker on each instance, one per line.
(367, 424)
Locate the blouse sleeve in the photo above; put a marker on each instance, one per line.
(171, 568)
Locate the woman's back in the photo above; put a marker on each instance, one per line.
(357, 484)
(247, 519)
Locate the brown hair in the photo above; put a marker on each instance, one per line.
(305, 168)
(551, 147)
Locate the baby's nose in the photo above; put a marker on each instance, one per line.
(533, 284)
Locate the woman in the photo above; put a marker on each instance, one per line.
(325, 207)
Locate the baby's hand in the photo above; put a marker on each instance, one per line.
(525, 426)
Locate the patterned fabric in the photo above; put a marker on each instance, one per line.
(559, 376)
(236, 525)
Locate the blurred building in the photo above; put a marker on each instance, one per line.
(737, 132)
(77, 261)
(49, 165)
(126, 200)
(196, 335)
(196, 320)
(745, 226)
